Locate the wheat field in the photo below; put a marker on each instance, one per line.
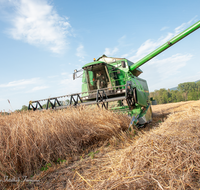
(28, 140)
(99, 151)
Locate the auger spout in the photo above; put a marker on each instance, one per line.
(166, 45)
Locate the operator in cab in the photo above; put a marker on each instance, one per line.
(101, 80)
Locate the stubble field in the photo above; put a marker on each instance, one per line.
(90, 148)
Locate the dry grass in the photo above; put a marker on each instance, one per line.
(165, 109)
(164, 157)
(167, 157)
(28, 140)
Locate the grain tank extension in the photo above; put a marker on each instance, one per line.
(109, 79)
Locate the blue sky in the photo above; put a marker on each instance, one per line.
(43, 41)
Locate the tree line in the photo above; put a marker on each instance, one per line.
(185, 92)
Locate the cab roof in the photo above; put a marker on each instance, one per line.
(103, 60)
(93, 63)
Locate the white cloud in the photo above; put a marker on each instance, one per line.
(150, 45)
(111, 52)
(125, 55)
(164, 28)
(183, 26)
(191, 78)
(171, 65)
(121, 40)
(80, 52)
(2, 99)
(177, 58)
(53, 76)
(168, 72)
(179, 28)
(122, 43)
(38, 88)
(22, 82)
(71, 86)
(37, 23)
(64, 73)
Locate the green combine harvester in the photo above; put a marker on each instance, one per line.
(110, 79)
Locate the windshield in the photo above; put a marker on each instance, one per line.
(97, 77)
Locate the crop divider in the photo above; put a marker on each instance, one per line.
(101, 98)
(74, 98)
(36, 105)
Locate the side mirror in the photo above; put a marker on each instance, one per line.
(74, 74)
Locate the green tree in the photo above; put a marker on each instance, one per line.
(24, 108)
(67, 102)
(193, 95)
(179, 96)
(186, 91)
(173, 96)
(187, 87)
(45, 105)
(198, 86)
(163, 95)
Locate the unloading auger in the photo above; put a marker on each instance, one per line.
(109, 79)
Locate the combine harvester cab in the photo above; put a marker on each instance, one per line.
(109, 79)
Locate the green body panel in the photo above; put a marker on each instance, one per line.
(137, 112)
(121, 78)
(116, 75)
(166, 45)
(141, 97)
(125, 109)
(84, 85)
(90, 74)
